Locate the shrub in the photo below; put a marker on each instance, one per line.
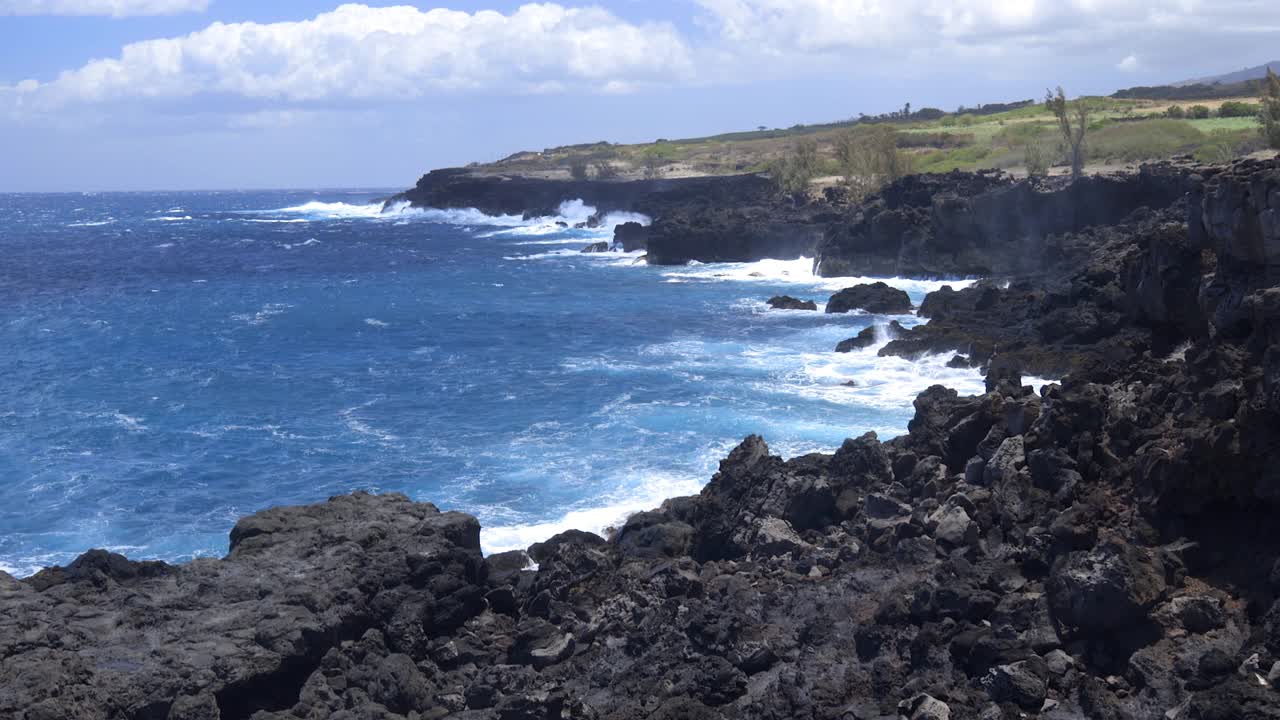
(868, 158)
(792, 174)
(652, 162)
(1235, 108)
(605, 170)
(1036, 159)
(1198, 112)
(1175, 112)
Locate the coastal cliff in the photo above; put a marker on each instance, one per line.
(1103, 548)
(736, 218)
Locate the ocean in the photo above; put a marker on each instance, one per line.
(170, 362)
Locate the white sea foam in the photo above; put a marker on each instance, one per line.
(261, 317)
(375, 322)
(95, 223)
(317, 210)
(610, 512)
(799, 272)
(360, 427)
(128, 422)
(170, 218)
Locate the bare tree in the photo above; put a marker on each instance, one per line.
(1270, 114)
(1073, 121)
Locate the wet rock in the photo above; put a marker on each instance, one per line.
(877, 298)
(599, 247)
(786, 302)
(869, 336)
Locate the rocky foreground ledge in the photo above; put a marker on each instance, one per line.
(1106, 548)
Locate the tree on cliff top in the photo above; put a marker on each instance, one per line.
(1270, 114)
(1073, 121)
(869, 159)
(793, 173)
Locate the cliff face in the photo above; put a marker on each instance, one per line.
(533, 197)
(711, 219)
(1104, 549)
(982, 224)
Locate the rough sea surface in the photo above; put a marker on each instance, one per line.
(170, 362)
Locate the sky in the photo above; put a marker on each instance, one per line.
(239, 94)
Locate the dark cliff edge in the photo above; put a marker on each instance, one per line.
(710, 219)
(1106, 548)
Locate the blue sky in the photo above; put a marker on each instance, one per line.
(203, 94)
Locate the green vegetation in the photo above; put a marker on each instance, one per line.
(793, 173)
(868, 158)
(1036, 159)
(1237, 109)
(1073, 123)
(578, 168)
(1014, 136)
(1270, 113)
(1134, 141)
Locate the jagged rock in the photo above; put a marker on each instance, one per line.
(877, 298)
(598, 247)
(924, 707)
(631, 236)
(1021, 683)
(955, 528)
(786, 302)
(869, 336)
(239, 629)
(1106, 588)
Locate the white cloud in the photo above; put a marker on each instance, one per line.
(1128, 64)
(361, 53)
(786, 27)
(113, 8)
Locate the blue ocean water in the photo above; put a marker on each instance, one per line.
(173, 361)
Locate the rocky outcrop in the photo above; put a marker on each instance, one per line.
(869, 336)
(983, 224)
(631, 236)
(786, 302)
(109, 638)
(709, 219)
(597, 247)
(877, 298)
(736, 234)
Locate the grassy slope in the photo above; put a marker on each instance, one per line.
(1122, 132)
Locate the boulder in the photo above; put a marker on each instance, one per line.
(1108, 588)
(599, 247)
(786, 302)
(1021, 683)
(878, 298)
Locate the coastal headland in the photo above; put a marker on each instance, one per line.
(1105, 547)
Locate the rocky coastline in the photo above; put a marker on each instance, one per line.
(1105, 548)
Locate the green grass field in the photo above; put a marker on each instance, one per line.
(1121, 132)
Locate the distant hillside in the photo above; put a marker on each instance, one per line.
(1230, 78)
